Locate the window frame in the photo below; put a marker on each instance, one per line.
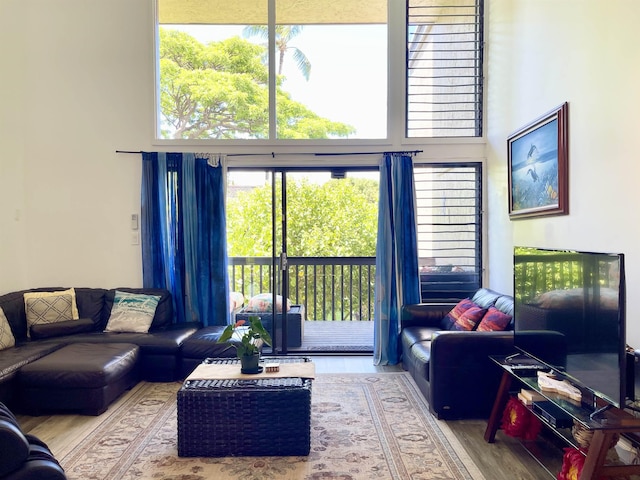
(396, 100)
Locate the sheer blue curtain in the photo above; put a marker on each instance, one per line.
(397, 277)
(184, 246)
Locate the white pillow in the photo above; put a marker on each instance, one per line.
(50, 307)
(7, 340)
(132, 312)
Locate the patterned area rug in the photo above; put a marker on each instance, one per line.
(363, 426)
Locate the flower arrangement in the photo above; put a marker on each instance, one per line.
(251, 337)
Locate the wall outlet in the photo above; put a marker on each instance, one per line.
(135, 238)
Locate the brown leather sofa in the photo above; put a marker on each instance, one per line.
(452, 368)
(157, 357)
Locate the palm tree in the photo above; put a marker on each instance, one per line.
(284, 34)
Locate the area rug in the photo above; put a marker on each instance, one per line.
(363, 426)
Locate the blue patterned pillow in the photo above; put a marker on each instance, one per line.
(132, 312)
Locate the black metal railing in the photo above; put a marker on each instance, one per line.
(330, 288)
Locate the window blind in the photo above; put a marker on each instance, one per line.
(444, 68)
(449, 229)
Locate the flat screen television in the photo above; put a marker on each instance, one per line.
(569, 314)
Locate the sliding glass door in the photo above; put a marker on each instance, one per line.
(307, 235)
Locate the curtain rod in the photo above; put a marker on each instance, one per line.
(316, 154)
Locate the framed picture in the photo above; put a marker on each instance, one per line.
(538, 156)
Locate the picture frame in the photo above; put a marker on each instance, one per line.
(538, 160)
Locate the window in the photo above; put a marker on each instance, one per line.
(444, 68)
(274, 70)
(449, 225)
(316, 72)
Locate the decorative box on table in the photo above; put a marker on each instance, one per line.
(295, 323)
(255, 415)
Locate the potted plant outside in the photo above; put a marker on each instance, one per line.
(248, 341)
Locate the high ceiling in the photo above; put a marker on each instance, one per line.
(288, 12)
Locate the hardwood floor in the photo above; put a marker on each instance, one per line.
(505, 459)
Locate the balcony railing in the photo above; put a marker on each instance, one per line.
(330, 288)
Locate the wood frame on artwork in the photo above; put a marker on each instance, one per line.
(538, 160)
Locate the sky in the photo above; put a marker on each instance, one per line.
(348, 81)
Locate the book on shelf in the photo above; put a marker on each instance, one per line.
(529, 396)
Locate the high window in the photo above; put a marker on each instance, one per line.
(444, 68)
(279, 69)
(318, 69)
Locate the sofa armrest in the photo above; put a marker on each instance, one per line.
(13, 445)
(463, 380)
(424, 314)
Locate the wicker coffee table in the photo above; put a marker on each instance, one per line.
(251, 416)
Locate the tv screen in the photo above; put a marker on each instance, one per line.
(569, 313)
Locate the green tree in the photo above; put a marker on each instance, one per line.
(334, 219)
(220, 91)
(284, 35)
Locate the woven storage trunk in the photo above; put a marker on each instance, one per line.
(268, 416)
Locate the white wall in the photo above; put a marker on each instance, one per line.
(542, 53)
(76, 86)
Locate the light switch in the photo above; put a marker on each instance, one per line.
(134, 221)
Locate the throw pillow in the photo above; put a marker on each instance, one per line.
(263, 303)
(132, 312)
(493, 320)
(7, 339)
(236, 300)
(49, 307)
(464, 316)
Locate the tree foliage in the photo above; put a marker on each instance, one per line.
(220, 91)
(334, 219)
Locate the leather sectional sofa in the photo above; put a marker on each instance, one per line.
(33, 365)
(452, 368)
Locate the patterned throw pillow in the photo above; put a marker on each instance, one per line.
(464, 316)
(262, 303)
(494, 320)
(132, 312)
(49, 307)
(7, 339)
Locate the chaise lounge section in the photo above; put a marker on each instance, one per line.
(42, 355)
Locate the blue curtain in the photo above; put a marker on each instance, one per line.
(184, 245)
(397, 277)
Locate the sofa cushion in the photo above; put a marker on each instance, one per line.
(59, 329)
(7, 339)
(49, 307)
(263, 303)
(54, 294)
(163, 317)
(464, 316)
(90, 303)
(132, 312)
(494, 320)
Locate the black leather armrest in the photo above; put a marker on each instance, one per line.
(13, 445)
(424, 314)
(461, 375)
